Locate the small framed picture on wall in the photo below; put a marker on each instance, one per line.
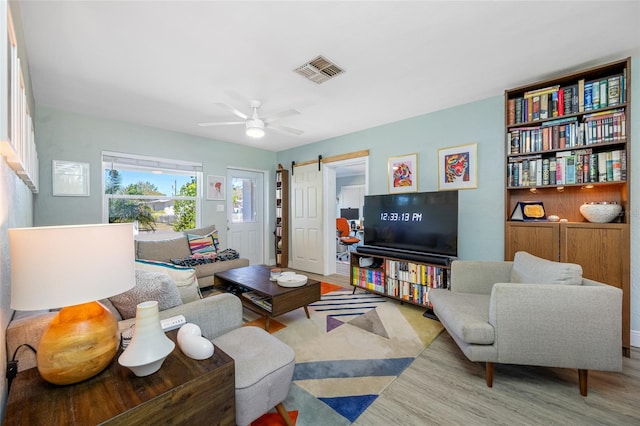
(70, 178)
(403, 173)
(215, 187)
(458, 167)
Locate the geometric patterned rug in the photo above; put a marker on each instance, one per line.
(350, 350)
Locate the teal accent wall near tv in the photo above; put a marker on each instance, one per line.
(481, 210)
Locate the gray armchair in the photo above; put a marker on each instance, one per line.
(532, 312)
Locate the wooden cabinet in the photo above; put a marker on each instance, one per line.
(402, 279)
(183, 391)
(282, 218)
(567, 150)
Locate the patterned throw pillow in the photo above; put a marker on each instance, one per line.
(149, 286)
(203, 244)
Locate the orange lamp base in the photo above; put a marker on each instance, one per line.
(80, 342)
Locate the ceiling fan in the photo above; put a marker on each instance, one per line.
(255, 125)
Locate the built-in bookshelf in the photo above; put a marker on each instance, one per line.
(282, 218)
(568, 143)
(569, 131)
(400, 279)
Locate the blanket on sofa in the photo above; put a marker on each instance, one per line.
(228, 254)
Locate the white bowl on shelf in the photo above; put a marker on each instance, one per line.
(600, 213)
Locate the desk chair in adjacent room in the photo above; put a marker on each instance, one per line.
(344, 238)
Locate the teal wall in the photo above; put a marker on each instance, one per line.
(481, 210)
(67, 136)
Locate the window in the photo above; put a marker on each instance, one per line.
(162, 196)
(244, 199)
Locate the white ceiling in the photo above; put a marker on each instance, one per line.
(165, 63)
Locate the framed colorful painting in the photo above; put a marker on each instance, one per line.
(403, 173)
(458, 167)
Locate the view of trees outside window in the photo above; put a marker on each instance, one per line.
(242, 197)
(158, 202)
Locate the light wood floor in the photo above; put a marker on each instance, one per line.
(442, 387)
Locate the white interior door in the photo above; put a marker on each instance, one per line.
(245, 214)
(307, 233)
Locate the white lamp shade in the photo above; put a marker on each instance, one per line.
(57, 266)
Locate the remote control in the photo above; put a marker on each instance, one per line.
(173, 323)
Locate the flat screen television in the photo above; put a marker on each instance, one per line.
(418, 222)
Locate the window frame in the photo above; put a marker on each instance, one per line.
(141, 163)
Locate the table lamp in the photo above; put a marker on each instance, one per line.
(72, 267)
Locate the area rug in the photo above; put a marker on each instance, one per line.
(350, 350)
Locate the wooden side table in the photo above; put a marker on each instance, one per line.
(183, 391)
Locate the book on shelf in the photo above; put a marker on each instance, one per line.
(613, 92)
(588, 96)
(511, 111)
(595, 94)
(616, 166)
(581, 95)
(604, 91)
(602, 167)
(570, 169)
(593, 167)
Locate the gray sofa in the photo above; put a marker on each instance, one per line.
(532, 312)
(178, 248)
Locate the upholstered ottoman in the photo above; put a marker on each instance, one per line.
(264, 369)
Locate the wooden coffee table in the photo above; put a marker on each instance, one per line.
(277, 300)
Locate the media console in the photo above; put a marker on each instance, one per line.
(400, 275)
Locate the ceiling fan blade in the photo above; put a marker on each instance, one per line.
(287, 130)
(232, 109)
(220, 123)
(282, 114)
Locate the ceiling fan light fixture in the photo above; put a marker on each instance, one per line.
(255, 128)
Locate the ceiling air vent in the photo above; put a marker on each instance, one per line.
(319, 70)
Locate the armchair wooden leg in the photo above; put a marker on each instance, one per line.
(284, 414)
(489, 374)
(582, 377)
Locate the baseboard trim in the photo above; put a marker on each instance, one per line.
(635, 338)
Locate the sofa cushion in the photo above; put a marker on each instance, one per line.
(163, 250)
(156, 286)
(465, 314)
(531, 269)
(184, 278)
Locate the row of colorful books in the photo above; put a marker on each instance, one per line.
(433, 276)
(568, 167)
(408, 291)
(371, 279)
(601, 127)
(556, 101)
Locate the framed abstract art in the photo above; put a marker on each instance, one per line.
(458, 167)
(403, 173)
